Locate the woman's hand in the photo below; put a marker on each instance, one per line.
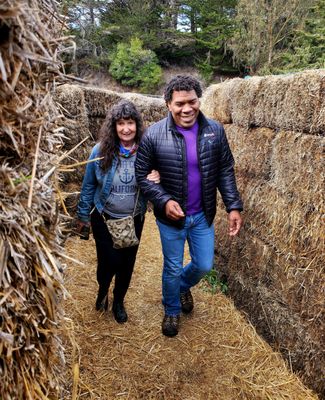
(83, 229)
(154, 176)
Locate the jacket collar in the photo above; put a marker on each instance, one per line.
(203, 122)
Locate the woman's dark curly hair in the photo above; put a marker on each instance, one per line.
(182, 82)
(109, 141)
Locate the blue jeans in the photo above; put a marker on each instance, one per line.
(177, 279)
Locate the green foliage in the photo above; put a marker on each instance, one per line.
(23, 178)
(211, 25)
(206, 70)
(264, 29)
(255, 36)
(136, 67)
(137, 18)
(308, 49)
(213, 283)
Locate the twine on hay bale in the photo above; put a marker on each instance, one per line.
(30, 277)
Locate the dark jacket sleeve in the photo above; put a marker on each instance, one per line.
(88, 188)
(144, 164)
(226, 181)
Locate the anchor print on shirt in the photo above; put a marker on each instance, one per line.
(126, 177)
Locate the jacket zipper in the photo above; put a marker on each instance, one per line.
(199, 163)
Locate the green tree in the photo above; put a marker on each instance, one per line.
(84, 23)
(137, 18)
(308, 49)
(134, 66)
(210, 24)
(264, 29)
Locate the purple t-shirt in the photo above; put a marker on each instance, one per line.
(194, 195)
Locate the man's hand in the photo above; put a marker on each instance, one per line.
(173, 210)
(235, 222)
(154, 176)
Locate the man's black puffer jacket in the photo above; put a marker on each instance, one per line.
(163, 148)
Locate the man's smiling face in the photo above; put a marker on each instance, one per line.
(184, 106)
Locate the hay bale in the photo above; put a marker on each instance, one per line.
(95, 124)
(282, 188)
(216, 101)
(151, 108)
(282, 102)
(284, 303)
(269, 101)
(243, 101)
(282, 329)
(284, 222)
(245, 144)
(98, 101)
(30, 279)
(318, 121)
(301, 97)
(71, 100)
(298, 169)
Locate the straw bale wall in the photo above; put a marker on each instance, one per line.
(293, 102)
(30, 252)
(275, 268)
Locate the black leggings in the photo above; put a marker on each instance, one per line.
(110, 261)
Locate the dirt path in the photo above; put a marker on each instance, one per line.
(217, 354)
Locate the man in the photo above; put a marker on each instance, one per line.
(193, 158)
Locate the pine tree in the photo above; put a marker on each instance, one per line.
(308, 50)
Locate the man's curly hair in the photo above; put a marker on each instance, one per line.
(182, 82)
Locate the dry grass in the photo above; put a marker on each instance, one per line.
(217, 354)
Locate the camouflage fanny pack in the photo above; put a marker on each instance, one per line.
(122, 230)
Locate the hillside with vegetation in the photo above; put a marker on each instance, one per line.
(133, 43)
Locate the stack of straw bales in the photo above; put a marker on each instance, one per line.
(86, 108)
(30, 277)
(275, 269)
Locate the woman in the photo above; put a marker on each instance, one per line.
(109, 191)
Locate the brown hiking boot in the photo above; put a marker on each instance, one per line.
(170, 325)
(187, 302)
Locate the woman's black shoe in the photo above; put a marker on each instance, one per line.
(102, 300)
(119, 312)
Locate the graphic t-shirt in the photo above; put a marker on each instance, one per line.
(121, 199)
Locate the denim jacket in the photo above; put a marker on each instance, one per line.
(96, 187)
